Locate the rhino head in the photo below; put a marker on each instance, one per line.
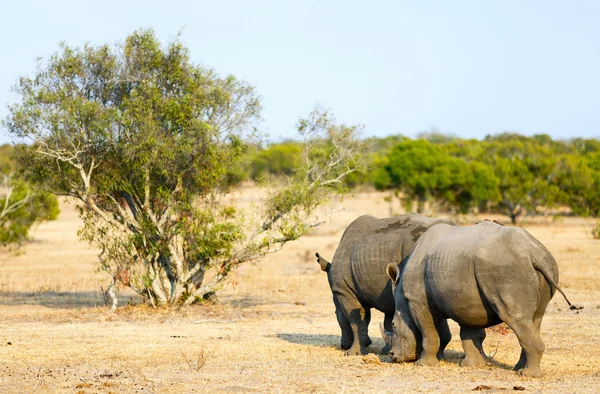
(405, 339)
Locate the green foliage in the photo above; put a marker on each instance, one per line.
(426, 172)
(29, 208)
(435, 137)
(7, 163)
(527, 170)
(585, 146)
(596, 231)
(20, 207)
(508, 173)
(277, 159)
(579, 180)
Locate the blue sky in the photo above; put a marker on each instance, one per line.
(469, 68)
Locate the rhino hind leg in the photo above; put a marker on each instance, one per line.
(472, 339)
(359, 319)
(533, 347)
(537, 323)
(527, 331)
(347, 336)
(522, 363)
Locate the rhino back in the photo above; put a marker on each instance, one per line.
(448, 253)
(367, 246)
(461, 268)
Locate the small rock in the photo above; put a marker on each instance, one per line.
(518, 388)
(482, 387)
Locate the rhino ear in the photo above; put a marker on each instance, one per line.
(325, 265)
(393, 271)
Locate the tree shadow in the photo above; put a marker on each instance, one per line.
(247, 301)
(498, 364)
(327, 341)
(320, 340)
(61, 299)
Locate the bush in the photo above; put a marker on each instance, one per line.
(20, 207)
(277, 159)
(596, 230)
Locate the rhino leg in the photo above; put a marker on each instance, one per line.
(524, 317)
(445, 337)
(532, 345)
(427, 322)
(522, 363)
(537, 322)
(471, 341)
(347, 336)
(358, 318)
(387, 325)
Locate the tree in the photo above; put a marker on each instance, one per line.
(380, 149)
(276, 159)
(579, 180)
(425, 172)
(527, 169)
(149, 145)
(20, 207)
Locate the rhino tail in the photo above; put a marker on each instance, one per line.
(325, 265)
(549, 279)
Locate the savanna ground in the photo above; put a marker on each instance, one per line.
(273, 329)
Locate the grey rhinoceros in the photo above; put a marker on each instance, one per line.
(478, 276)
(357, 274)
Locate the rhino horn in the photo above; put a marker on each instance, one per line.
(385, 335)
(325, 265)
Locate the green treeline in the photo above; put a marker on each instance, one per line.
(506, 173)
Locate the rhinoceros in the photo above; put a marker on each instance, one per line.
(478, 276)
(357, 276)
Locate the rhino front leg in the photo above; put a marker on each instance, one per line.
(471, 341)
(428, 325)
(445, 337)
(387, 325)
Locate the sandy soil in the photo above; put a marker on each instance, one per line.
(274, 329)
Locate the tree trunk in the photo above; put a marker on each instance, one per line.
(111, 296)
(420, 204)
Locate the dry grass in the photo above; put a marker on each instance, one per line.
(273, 332)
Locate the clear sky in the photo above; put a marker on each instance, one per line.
(469, 68)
